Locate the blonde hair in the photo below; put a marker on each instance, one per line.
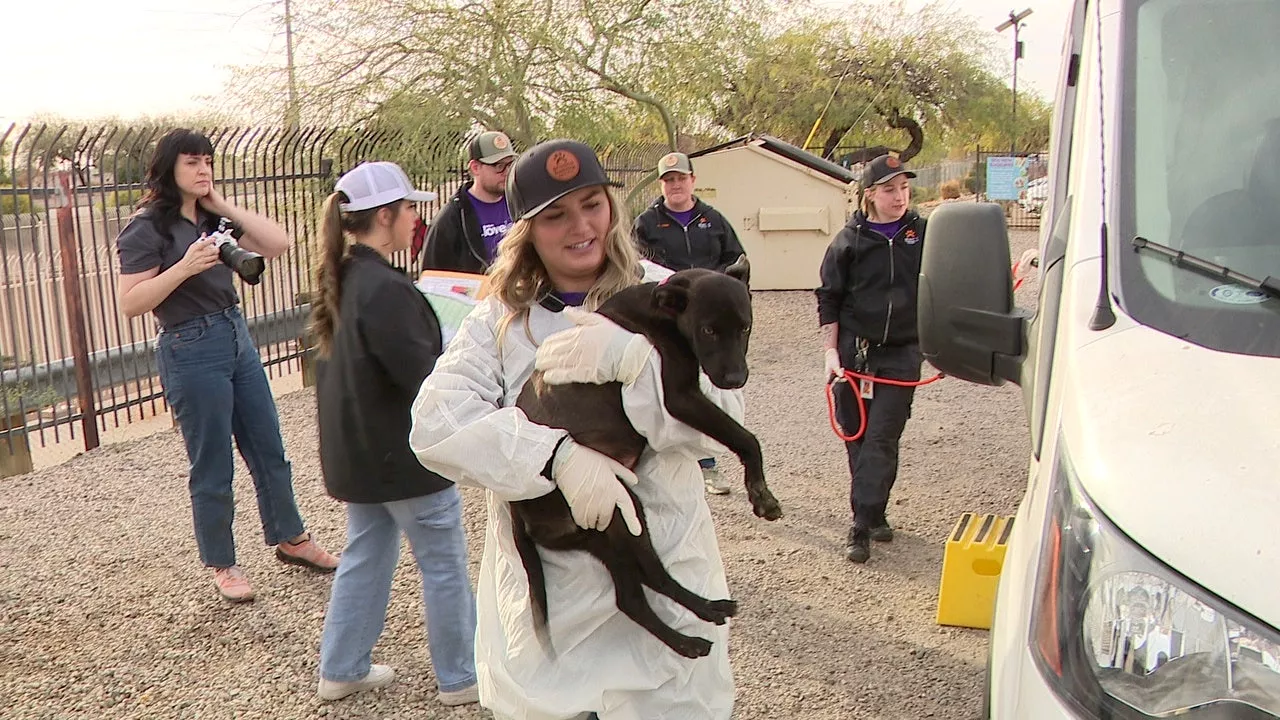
(519, 279)
(867, 200)
(327, 273)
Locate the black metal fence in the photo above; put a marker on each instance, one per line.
(72, 363)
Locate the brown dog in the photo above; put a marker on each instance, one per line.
(696, 319)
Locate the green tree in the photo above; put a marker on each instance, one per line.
(526, 66)
(872, 74)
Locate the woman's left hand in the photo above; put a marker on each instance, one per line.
(594, 351)
(214, 202)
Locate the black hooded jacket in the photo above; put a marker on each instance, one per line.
(709, 241)
(869, 283)
(453, 239)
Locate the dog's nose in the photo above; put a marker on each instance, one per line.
(733, 380)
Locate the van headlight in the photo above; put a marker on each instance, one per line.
(1120, 635)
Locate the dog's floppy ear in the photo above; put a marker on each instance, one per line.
(740, 269)
(672, 295)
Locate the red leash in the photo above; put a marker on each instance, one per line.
(851, 377)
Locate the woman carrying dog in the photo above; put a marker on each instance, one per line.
(378, 338)
(867, 309)
(570, 246)
(209, 367)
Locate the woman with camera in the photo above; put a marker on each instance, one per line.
(209, 367)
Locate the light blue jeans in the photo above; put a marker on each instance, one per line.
(362, 588)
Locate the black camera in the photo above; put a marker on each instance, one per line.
(248, 265)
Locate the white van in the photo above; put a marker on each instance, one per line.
(1142, 578)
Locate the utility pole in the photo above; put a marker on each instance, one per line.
(1015, 22)
(292, 116)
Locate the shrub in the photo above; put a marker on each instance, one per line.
(924, 194)
(11, 203)
(26, 397)
(951, 189)
(119, 199)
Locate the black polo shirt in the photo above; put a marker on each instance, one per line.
(141, 247)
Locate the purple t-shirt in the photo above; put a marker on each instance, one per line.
(495, 221)
(574, 299)
(888, 229)
(682, 217)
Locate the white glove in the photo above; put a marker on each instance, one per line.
(594, 351)
(592, 483)
(832, 360)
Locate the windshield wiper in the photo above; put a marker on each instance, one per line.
(1269, 285)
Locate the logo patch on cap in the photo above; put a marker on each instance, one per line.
(893, 162)
(669, 160)
(501, 142)
(563, 166)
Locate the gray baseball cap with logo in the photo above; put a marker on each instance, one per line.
(550, 170)
(675, 162)
(490, 147)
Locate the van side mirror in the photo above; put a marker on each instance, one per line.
(969, 326)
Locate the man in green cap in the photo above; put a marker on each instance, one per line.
(464, 235)
(680, 231)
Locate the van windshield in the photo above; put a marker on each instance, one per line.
(1201, 167)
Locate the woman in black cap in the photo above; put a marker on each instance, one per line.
(867, 309)
(570, 247)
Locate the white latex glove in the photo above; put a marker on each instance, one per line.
(594, 351)
(592, 483)
(832, 359)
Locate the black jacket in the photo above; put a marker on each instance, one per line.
(387, 341)
(869, 283)
(709, 241)
(453, 239)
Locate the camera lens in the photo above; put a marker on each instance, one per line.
(247, 264)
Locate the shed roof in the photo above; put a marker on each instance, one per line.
(785, 149)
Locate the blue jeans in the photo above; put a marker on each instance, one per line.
(706, 463)
(214, 382)
(362, 588)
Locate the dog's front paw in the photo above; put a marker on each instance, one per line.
(765, 505)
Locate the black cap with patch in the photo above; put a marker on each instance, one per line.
(883, 169)
(548, 171)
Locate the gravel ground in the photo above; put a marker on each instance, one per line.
(106, 612)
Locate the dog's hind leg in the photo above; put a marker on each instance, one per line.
(653, 573)
(532, 562)
(629, 592)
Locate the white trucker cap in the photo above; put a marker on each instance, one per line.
(374, 184)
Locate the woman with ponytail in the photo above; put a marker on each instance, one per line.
(209, 367)
(378, 338)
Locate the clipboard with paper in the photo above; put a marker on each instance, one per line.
(452, 295)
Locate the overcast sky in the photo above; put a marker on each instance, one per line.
(90, 58)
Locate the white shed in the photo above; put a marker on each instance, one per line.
(785, 204)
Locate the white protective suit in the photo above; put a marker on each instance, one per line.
(466, 427)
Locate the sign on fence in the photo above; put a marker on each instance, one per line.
(1006, 177)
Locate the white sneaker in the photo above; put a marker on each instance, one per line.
(379, 676)
(465, 696)
(714, 481)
